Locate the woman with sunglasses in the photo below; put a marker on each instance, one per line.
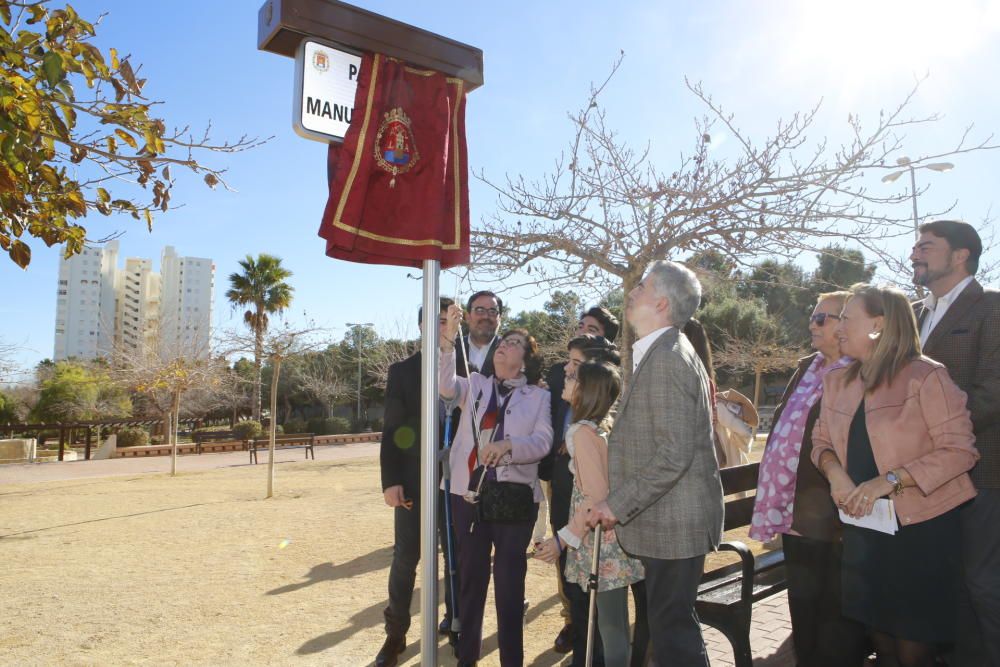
(793, 500)
(512, 418)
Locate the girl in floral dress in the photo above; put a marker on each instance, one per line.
(591, 393)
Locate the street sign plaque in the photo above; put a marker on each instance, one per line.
(326, 79)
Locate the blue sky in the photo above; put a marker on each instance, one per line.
(760, 60)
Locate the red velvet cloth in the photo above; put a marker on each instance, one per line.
(398, 184)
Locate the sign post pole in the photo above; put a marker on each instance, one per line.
(429, 464)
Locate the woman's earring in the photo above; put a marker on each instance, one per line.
(874, 335)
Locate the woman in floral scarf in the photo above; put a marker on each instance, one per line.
(793, 500)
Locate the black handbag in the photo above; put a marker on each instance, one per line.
(505, 502)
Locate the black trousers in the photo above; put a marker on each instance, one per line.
(405, 558)
(821, 635)
(671, 591)
(978, 642)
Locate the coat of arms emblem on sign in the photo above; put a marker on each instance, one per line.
(395, 150)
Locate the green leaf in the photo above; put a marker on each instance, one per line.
(52, 65)
(114, 58)
(103, 195)
(5, 12)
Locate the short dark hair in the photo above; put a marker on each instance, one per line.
(485, 292)
(598, 386)
(960, 236)
(445, 303)
(608, 321)
(532, 359)
(596, 348)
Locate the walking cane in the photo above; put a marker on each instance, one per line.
(456, 623)
(592, 586)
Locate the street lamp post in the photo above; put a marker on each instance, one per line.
(357, 346)
(912, 169)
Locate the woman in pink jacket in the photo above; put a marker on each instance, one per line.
(894, 425)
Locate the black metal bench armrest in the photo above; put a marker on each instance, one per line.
(747, 563)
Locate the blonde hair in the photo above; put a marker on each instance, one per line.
(898, 343)
(841, 296)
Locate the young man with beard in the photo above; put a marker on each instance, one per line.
(959, 324)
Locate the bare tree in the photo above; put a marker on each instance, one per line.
(277, 345)
(762, 352)
(605, 210)
(7, 365)
(165, 371)
(318, 376)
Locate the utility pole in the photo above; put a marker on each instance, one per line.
(357, 347)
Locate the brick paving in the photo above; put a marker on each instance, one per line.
(770, 637)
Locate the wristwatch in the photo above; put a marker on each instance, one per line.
(897, 483)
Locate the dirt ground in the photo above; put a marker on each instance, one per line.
(201, 570)
(192, 571)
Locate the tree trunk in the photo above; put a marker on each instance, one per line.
(258, 366)
(756, 386)
(276, 371)
(175, 413)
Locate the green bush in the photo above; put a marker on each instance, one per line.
(247, 430)
(329, 426)
(131, 436)
(212, 429)
(377, 425)
(296, 426)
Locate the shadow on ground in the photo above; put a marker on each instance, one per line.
(376, 560)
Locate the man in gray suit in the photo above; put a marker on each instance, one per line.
(666, 495)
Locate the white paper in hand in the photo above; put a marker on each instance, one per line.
(882, 518)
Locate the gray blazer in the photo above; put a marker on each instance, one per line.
(664, 477)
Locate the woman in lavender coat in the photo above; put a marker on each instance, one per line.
(515, 433)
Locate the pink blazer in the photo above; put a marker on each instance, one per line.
(918, 422)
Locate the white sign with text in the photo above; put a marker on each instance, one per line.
(326, 80)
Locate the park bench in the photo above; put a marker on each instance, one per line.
(290, 441)
(727, 593)
(200, 437)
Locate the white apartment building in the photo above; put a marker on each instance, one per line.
(85, 303)
(186, 302)
(100, 306)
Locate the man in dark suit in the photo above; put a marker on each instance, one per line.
(666, 493)
(399, 460)
(483, 315)
(959, 325)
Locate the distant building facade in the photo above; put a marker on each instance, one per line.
(101, 307)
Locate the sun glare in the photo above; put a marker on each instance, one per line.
(857, 42)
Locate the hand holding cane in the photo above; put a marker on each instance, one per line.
(592, 586)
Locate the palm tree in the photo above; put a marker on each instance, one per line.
(263, 290)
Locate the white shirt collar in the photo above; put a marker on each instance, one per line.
(477, 354)
(932, 302)
(640, 346)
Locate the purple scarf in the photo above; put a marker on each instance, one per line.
(772, 510)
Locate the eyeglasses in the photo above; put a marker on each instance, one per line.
(820, 318)
(479, 310)
(511, 342)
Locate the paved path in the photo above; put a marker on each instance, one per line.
(26, 473)
(770, 637)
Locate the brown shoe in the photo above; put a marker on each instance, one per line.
(388, 655)
(564, 640)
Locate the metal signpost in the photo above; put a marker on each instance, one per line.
(326, 37)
